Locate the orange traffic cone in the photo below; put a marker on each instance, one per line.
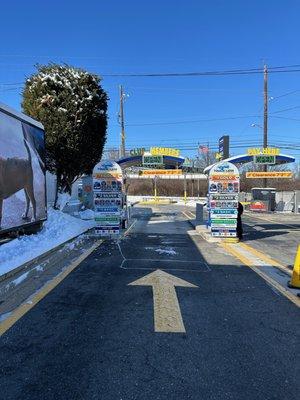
(295, 281)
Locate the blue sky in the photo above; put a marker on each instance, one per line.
(109, 37)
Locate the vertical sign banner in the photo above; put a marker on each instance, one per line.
(108, 197)
(224, 147)
(223, 195)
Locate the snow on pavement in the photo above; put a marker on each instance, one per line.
(58, 229)
(169, 251)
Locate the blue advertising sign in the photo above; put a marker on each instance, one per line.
(219, 211)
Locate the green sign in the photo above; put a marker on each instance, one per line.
(264, 159)
(224, 221)
(107, 219)
(152, 160)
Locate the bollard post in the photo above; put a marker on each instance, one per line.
(199, 214)
(184, 183)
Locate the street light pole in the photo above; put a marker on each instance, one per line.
(265, 141)
(122, 147)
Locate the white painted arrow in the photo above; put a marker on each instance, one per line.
(167, 313)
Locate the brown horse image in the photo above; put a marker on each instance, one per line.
(17, 174)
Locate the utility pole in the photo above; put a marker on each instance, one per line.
(122, 145)
(265, 141)
(207, 155)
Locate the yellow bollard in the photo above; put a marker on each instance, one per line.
(185, 197)
(295, 281)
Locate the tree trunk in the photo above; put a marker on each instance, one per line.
(56, 193)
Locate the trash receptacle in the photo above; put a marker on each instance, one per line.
(266, 195)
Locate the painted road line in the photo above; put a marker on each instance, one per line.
(185, 214)
(167, 313)
(266, 258)
(25, 307)
(131, 227)
(263, 269)
(188, 216)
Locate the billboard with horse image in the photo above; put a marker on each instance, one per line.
(22, 171)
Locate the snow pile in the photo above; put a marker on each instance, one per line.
(87, 214)
(58, 229)
(169, 251)
(191, 202)
(20, 279)
(63, 199)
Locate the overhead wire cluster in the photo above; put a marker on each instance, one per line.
(248, 71)
(232, 72)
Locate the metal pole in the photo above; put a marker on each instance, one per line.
(122, 147)
(184, 187)
(265, 141)
(207, 155)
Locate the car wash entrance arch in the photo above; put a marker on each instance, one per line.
(251, 156)
(158, 164)
(263, 198)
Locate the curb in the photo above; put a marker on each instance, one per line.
(203, 232)
(37, 259)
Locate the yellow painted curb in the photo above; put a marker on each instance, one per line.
(230, 240)
(285, 292)
(266, 258)
(25, 307)
(150, 202)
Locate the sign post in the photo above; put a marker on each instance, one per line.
(223, 197)
(108, 198)
(155, 187)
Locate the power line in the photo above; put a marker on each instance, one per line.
(285, 109)
(279, 69)
(9, 88)
(287, 118)
(11, 84)
(285, 94)
(192, 121)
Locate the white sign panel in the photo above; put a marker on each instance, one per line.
(223, 190)
(108, 198)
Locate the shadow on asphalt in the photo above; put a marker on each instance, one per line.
(267, 230)
(256, 235)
